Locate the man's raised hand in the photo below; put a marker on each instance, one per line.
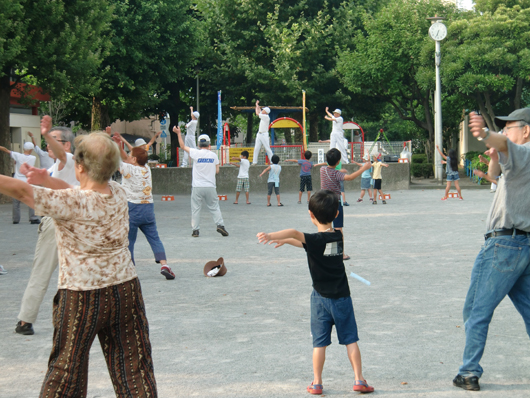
(45, 124)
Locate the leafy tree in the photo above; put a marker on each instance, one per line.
(152, 45)
(487, 60)
(387, 62)
(55, 44)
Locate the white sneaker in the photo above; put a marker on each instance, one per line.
(2, 270)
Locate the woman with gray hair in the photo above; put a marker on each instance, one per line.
(98, 291)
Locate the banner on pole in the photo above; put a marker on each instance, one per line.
(219, 121)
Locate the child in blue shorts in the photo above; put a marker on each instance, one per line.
(305, 174)
(331, 302)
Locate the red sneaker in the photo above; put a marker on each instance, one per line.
(362, 387)
(315, 389)
(166, 271)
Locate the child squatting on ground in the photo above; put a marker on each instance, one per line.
(331, 302)
(243, 181)
(274, 179)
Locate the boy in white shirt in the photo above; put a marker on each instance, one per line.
(337, 133)
(262, 138)
(243, 181)
(189, 139)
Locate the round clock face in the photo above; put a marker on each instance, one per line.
(438, 31)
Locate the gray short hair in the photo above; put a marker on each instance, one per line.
(66, 135)
(99, 155)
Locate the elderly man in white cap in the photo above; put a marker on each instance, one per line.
(189, 139)
(337, 133)
(19, 159)
(262, 138)
(203, 184)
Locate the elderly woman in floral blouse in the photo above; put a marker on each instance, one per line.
(98, 292)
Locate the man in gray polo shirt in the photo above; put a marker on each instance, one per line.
(503, 265)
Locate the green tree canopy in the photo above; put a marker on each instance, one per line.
(55, 44)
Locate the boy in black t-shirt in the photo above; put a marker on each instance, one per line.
(330, 301)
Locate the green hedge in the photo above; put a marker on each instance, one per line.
(419, 158)
(424, 170)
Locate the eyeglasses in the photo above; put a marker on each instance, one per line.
(63, 141)
(505, 129)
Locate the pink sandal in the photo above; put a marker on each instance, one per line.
(362, 387)
(315, 389)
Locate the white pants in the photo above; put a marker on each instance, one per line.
(262, 139)
(337, 141)
(210, 198)
(189, 141)
(44, 263)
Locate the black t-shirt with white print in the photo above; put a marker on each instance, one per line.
(324, 256)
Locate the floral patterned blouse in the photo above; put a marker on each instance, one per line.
(92, 235)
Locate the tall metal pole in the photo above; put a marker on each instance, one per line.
(438, 117)
(198, 120)
(304, 136)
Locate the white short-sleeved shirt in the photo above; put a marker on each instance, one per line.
(191, 127)
(337, 125)
(45, 160)
(243, 168)
(264, 121)
(204, 168)
(20, 158)
(137, 182)
(92, 235)
(67, 174)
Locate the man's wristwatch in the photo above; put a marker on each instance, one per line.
(487, 131)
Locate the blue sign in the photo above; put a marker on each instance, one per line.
(163, 122)
(163, 135)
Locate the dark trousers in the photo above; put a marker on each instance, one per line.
(116, 315)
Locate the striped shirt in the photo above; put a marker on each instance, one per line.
(330, 179)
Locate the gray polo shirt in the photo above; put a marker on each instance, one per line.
(511, 204)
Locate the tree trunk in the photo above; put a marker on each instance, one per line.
(5, 131)
(100, 115)
(298, 137)
(313, 127)
(518, 93)
(250, 122)
(430, 127)
(485, 114)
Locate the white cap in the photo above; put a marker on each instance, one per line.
(366, 157)
(267, 109)
(196, 114)
(139, 142)
(203, 137)
(337, 111)
(28, 146)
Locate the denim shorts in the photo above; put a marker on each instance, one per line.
(365, 183)
(339, 221)
(325, 313)
(453, 176)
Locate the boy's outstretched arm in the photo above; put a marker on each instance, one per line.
(353, 176)
(291, 160)
(264, 171)
(292, 242)
(281, 235)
